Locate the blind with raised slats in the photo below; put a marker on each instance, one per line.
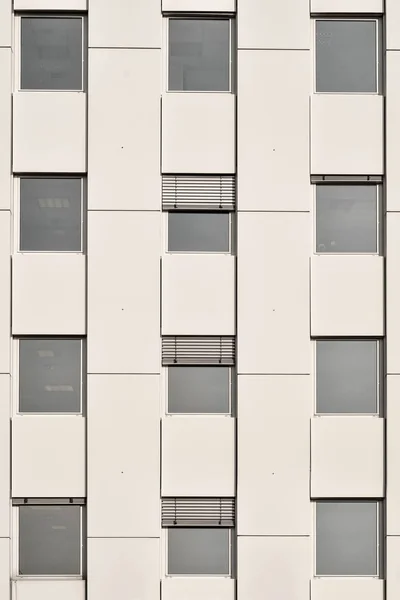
(200, 350)
(197, 512)
(197, 192)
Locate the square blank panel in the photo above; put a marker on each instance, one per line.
(198, 390)
(346, 539)
(199, 55)
(51, 53)
(50, 376)
(347, 218)
(49, 540)
(198, 551)
(346, 56)
(50, 215)
(347, 378)
(198, 232)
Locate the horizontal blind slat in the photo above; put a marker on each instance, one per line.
(198, 350)
(187, 192)
(210, 512)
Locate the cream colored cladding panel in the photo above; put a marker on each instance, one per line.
(392, 25)
(5, 278)
(123, 568)
(347, 588)
(392, 293)
(210, 6)
(273, 293)
(48, 294)
(198, 456)
(274, 567)
(50, 5)
(124, 151)
(272, 24)
(198, 133)
(347, 295)
(5, 25)
(128, 25)
(128, 464)
(48, 456)
(392, 455)
(346, 134)
(49, 132)
(5, 124)
(392, 567)
(4, 460)
(274, 455)
(124, 292)
(347, 457)
(392, 127)
(273, 131)
(5, 569)
(28, 589)
(347, 6)
(198, 294)
(197, 588)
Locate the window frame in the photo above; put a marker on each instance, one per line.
(231, 226)
(17, 213)
(201, 17)
(378, 53)
(379, 536)
(15, 379)
(379, 214)
(17, 55)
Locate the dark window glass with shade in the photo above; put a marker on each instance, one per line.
(198, 551)
(199, 390)
(199, 232)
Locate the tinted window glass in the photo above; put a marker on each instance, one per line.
(347, 218)
(51, 214)
(346, 60)
(50, 376)
(198, 389)
(347, 376)
(49, 540)
(51, 53)
(346, 538)
(198, 232)
(198, 551)
(199, 52)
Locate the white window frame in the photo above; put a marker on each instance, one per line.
(379, 515)
(17, 213)
(200, 17)
(18, 54)
(379, 378)
(379, 195)
(231, 217)
(378, 51)
(15, 545)
(15, 379)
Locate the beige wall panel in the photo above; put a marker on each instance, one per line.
(49, 294)
(392, 455)
(49, 132)
(392, 567)
(5, 297)
(5, 122)
(123, 568)
(198, 588)
(347, 6)
(392, 292)
(50, 5)
(5, 23)
(198, 294)
(270, 24)
(124, 292)
(128, 25)
(392, 127)
(128, 465)
(392, 10)
(198, 456)
(5, 569)
(274, 455)
(5, 459)
(29, 589)
(347, 588)
(273, 131)
(347, 457)
(48, 457)
(198, 133)
(273, 293)
(347, 295)
(346, 134)
(199, 5)
(124, 151)
(274, 567)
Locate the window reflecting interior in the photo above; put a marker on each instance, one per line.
(198, 232)
(198, 390)
(198, 551)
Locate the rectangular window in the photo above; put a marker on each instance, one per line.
(199, 390)
(200, 52)
(50, 375)
(347, 376)
(51, 214)
(199, 232)
(347, 219)
(50, 540)
(199, 551)
(347, 539)
(347, 56)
